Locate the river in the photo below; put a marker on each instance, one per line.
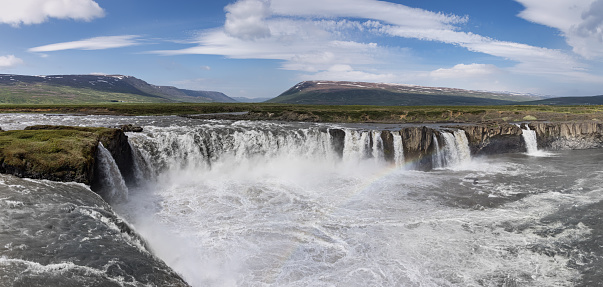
(275, 204)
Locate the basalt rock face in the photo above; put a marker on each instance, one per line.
(419, 146)
(494, 139)
(569, 135)
(388, 146)
(338, 140)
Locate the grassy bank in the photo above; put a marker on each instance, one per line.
(61, 153)
(319, 113)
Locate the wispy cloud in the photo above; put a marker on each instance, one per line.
(97, 43)
(17, 12)
(465, 71)
(347, 72)
(580, 21)
(9, 61)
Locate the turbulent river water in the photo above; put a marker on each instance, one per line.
(275, 204)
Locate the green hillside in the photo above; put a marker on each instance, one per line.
(51, 94)
(358, 93)
(96, 89)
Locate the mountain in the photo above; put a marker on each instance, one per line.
(80, 89)
(360, 93)
(569, 101)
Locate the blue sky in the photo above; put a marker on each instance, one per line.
(259, 48)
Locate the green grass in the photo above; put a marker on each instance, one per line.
(63, 152)
(50, 94)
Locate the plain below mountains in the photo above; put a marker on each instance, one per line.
(361, 93)
(95, 89)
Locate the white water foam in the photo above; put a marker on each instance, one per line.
(115, 188)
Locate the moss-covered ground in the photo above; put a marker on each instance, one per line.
(55, 153)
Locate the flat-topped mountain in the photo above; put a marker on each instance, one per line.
(79, 89)
(361, 93)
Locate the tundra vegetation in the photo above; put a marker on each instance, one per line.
(327, 113)
(56, 153)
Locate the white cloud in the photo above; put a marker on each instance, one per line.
(303, 45)
(97, 43)
(347, 73)
(17, 12)
(245, 19)
(580, 21)
(396, 14)
(9, 61)
(466, 71)
(529, 59)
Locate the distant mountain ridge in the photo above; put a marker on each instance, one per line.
(592, 100)
(362, 93)
(96, 89)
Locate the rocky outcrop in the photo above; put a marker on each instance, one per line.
(494, 138)
(569, 135)
(116, 142)
(418, 146)
(338, 140)
(63, 153)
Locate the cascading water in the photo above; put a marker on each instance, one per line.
(377, 149)
(529, 136)
(113, 186)
(462, 145)
(455, 152)
(356, 145)
(438, 156)
(398, 149)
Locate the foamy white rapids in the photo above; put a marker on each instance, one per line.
(455, 153)
(250, 206)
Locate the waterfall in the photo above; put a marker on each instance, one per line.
(356, 145)
(201, 148)
(113, 185)
(529, 136)
(398, 149)
(377, 149)
(140, 167)
(456, 150)
(438, 157)
(462, 145)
